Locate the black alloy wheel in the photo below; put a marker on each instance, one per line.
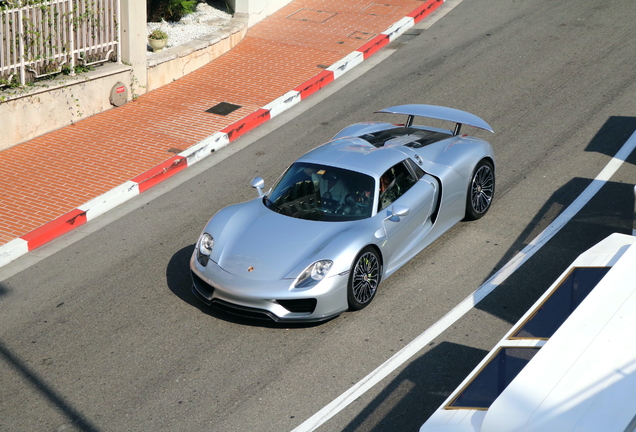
(364, 278)
(481, 190)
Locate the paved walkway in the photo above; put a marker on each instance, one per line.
(65, 178)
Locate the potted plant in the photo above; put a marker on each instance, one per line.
(157, 39)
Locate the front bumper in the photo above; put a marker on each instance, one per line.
(276, 300)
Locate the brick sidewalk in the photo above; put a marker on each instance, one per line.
(61, 180)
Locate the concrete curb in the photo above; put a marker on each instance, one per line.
(113, 198)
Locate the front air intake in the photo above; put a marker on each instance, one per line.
(300, 305)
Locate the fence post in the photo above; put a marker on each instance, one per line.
(118, 26)
(21, 45)
(71, 36)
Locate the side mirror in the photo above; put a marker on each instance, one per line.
(258, 183)
(399, 210)
(396, 212)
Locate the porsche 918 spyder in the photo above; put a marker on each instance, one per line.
(343, 217)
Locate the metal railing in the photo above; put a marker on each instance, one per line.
(40, 38)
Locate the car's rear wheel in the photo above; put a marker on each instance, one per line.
(364, 278)
(481, 190)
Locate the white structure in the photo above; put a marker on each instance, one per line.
(256, 10)
(559, 370)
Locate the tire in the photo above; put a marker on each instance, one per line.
(364, 278)
(481, 190)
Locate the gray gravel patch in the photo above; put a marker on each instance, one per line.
(207, 18)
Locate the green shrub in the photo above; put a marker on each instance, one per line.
(169, 10)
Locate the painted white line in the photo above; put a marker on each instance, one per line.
(203, 149)
(397, 29)
(634, 218)
(283, 103)
(469, 302)
(13, 250)
(109, 200)
(345, 64)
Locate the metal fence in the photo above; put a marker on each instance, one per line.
(40, 38)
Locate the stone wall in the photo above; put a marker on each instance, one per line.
(59, 102)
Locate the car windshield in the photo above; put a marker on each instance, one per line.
(322, 193)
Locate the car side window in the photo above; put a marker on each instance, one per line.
(394, 183)
(419, 172)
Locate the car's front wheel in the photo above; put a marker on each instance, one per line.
(364, 278)
(481, 190)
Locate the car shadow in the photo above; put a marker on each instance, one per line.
(180, 283)
(610, 210)
(418, 390)
(612, 135)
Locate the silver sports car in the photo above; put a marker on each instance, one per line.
(343, 217)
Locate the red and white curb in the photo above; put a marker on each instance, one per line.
(113, 198)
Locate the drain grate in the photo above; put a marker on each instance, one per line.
(223, 108)
(174, 150)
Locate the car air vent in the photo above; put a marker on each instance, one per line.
(299, 305)
(377, 139)
(243, 311)
(428, 139)
(202, 286)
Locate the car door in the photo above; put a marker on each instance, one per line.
(402, 187)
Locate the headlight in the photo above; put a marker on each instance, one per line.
(204, 248)
(313, 274)
(206, 243)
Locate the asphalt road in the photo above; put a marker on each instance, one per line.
(99, 330)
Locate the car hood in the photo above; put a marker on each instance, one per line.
(260, 244)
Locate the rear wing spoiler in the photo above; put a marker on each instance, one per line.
(439, 113)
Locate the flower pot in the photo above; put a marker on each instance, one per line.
(157, 44)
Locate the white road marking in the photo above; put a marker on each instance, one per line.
(469, 302)
(634, 219)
